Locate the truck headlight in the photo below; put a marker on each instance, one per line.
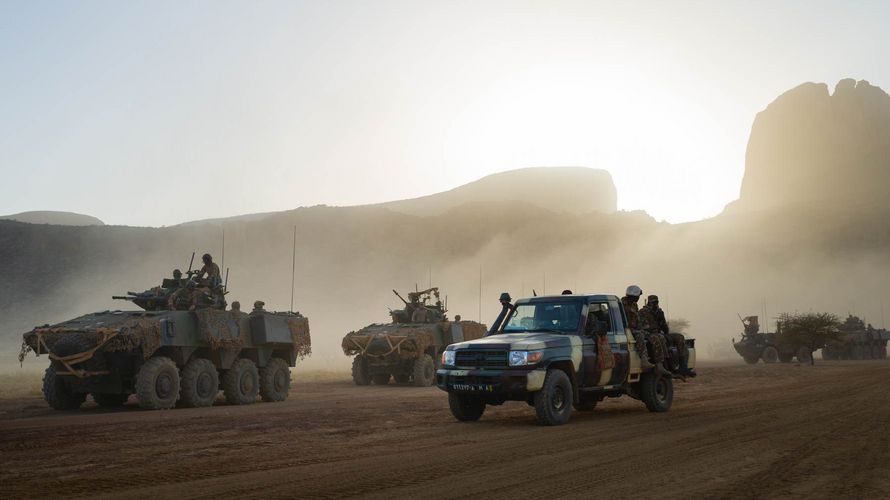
(524, 358)
(448, 358)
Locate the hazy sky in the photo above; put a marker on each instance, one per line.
(155, 113)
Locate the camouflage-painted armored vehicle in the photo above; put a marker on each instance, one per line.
(408, 348)
(767, 346)
(555, 353)
(165, 356)
(858, 341)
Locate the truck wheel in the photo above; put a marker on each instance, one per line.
(770, 355)
(466, 408)
(380, 378)
(553, 403)
(751, 359)
(585, 405)
(200, 383)
(401, 378)
(424, 371)
(804, 355)
(657, 391)
(157, 384)
(108, 400)
(360, 373)
(241, 382)
(58, 393)
(275, 380)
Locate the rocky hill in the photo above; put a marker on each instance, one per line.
(55, 218)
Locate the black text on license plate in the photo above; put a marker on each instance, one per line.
(473, 387)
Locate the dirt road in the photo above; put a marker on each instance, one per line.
(736, 431)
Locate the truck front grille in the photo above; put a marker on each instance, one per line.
(464, 358)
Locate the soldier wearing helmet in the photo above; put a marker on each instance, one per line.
(209, 275)
(631, 309)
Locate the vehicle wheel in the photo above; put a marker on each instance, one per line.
(553, 403)
(360, 373)
(804, 355)
(466, 408)
(786, 358)
(157, 384)
(275, 380)
(380, 378)
(883, 352)
(402, 378)
(876, 352)
(58, 393)
(107, 400)
(76, 344)
(424, 371)
(200, 383)
(585, 405)
(657, 391)
(241, 382)
(770, 355)
(751, 359)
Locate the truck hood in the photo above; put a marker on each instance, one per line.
(519, 341)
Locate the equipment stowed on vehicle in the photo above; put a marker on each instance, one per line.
(767, 346)
(165, 356)
(554, 352)
(408, 348)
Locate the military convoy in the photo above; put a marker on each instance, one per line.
(168, 356)
(408, 348)
(555, 353)
(858, 341)
(769, 347)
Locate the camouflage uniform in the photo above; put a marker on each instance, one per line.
(649, 322)
(632, 310)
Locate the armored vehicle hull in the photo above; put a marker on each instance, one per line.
(165, 357)
(406, 352)
(859, 346)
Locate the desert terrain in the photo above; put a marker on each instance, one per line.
(736, 431)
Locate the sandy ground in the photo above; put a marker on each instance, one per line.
(737, 431)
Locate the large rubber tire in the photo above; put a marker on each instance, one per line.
(657, 391)
(360, 373)
(380, 378)
(553, 403)
(58, 393)
(275, 381)
(157, 384)
(751, 359)
(465, 407)
(770, 355)
(876, 352)
(241, 382)
(804, 355)
(883, 352)
(110, 400)
(401, 378)
(424, 371)
(585, 405)
(200, 383)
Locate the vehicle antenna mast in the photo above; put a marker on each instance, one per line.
(293, 271)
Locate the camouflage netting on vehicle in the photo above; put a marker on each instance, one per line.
(473, 330)
(402, 341)
(142, 335)
(220, 329)
(299, 330)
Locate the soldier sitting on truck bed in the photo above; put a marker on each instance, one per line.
(631, 309)
(657, 322)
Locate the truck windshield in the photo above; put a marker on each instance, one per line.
(559, 317)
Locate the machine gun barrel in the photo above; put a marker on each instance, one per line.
(122, 297)
(189, 273)
(400, 297)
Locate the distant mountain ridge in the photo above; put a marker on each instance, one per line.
(55, 218)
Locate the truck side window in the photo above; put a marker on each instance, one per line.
(600, 312)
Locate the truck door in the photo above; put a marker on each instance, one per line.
(617, 337)
(589, 375)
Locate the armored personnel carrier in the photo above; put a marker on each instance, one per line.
(408, 348)
(858, 341)
(165, 354)
(767, 346)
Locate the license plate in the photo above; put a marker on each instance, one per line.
(473, 387)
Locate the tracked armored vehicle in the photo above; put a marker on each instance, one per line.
(407, 349)
(858, 341)
(166, 356)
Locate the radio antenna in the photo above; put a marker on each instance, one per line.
(222, 262)
(293, 271)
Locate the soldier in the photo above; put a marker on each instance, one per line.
(236, 306)
(209, 274)
(631, 309)
(752, 325)
(190, 291)
(655, 317)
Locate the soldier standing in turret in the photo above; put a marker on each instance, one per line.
(209, 275)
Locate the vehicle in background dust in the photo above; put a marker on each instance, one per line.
(166, 356)
(769, 347)
(858, 341)
(555, 353)
(408, 348)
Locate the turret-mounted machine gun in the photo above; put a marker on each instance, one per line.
(419, 309)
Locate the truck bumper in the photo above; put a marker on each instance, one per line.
(499, 384)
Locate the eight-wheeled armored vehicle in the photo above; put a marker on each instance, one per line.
(858, 341)
(767, 346)
(165, 355)
(408, 348)
(555, 352)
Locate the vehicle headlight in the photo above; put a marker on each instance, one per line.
(524, 358)
(448, 358)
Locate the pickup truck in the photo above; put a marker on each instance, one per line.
(554, 353)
